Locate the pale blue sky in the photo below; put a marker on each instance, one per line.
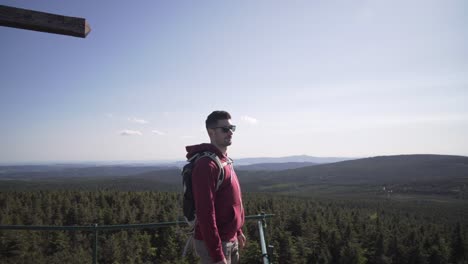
(322, 78)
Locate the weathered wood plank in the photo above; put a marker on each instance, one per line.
(44, 22)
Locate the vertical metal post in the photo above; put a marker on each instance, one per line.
(95, 246)
(262, 242)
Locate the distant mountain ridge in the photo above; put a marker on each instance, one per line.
(121, 168)
(38, 172)
(297, 158)
(274, 166)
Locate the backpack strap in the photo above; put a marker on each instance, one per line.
(218, 162)
(220, 165)
(228, 162)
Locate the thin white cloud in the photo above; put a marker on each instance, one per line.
(109, 115)
(420, 119)
(249, 120)
(157, 132)
(138, 120)
(128, 132)
(337, 123)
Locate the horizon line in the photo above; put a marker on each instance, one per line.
(169, 161)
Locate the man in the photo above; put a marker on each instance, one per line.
(220, 214)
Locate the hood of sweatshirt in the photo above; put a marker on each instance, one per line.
(194, 149)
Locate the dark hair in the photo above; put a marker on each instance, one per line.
(212, 119)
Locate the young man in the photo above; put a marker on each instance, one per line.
(220, 214)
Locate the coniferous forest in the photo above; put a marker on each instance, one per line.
(303, 230)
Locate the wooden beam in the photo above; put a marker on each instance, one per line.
(44, 22)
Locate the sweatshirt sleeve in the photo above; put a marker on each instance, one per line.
(204, 178)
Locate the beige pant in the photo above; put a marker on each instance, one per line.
(230, 249)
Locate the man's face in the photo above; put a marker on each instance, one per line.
(221, 134)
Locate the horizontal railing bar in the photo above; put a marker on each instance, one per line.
(259, 216)
(114, 227)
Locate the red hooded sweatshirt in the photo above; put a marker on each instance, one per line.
(220, 214)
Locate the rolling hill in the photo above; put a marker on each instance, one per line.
(382, 170)
(440, 174)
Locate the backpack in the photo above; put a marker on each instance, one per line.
(188, 199)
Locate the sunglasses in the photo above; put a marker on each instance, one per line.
(226, 129)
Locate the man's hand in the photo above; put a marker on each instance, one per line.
(222, 262)
(242, 241)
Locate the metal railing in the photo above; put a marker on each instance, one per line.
(261, 221)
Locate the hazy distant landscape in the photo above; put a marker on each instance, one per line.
(388, 176)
